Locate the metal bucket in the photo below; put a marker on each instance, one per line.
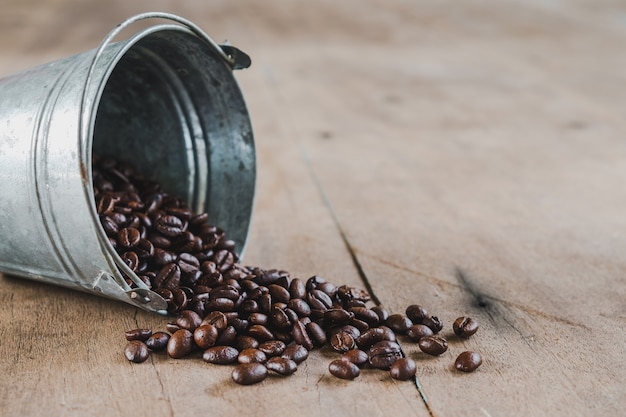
(164, 100)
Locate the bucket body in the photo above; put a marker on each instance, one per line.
(164, 101)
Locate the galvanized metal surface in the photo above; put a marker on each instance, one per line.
(164, 100)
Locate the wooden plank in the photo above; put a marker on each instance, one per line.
(472, 156)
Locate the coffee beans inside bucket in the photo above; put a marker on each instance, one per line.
(264, 320)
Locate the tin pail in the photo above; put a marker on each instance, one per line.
(164, 100)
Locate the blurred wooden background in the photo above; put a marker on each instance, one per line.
(471, 154)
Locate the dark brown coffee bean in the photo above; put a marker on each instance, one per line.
(343, 369)
(279, 318)
(158, 341)
(168, 277)
(300, 335)
(106, 204)
(403, 369)
(136, 351)
(246, 342)
(416, 313)
(220, 355)
(320, 296)
(316, 333)
(281, 366)
(188, 319)
(337, 317)
(217, 319)
(172, 327)
(258, 318)
(199, 219)
(272, 348)
(138, 334)
(342, 342)
(144, 249)
(351, 330)
(251, 356)
(188, 263)
(249, 373)
(249, 307)
(347, 293)
(221, 304)
(300, 307)
(465, 327)
(383, 354)
(180, 344)
(356, 356)
(279, 294)
(434, 323)
(417, 331)
(224, 260)
(128, 237)
(162, 257)
(368, 338)
(108, 224)
(205, 336)
(260, 332)
(170, 226)
(359, 324)
(433, 345)
(367, 315)
(296, 353)
(399, 323)
(381, 312)
(225, 291)
(227, 337)
(297, 289)
(131, 259)
(468, 361)
(239, 324)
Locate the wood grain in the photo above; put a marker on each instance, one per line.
(469, 155)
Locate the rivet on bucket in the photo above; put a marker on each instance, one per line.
(165, 100)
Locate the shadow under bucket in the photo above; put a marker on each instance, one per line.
(164, 101)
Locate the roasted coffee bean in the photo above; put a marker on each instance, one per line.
(249, 373)
(168, 277)
(279, 318)
(342, 342)
(297, 289)
(106, 204)
(225, 291)
(172, 327)
(170, 226)
(144, 249)
(251, 356)
(258, 318)
(351, 330)
(322, 297)
(249, 307)
(371, 336)
(367, 315)
(356, 356)
(279, 294)
(468, 361)
(138, 334)
(136, 351)
(417, 331)
(465, 327)
(281, 366)
(188, 263)
(220, 355)
(158, 341)
(246, 342)
(316, 333)
(300, 335)
(227, 336)
(180, 344)
(205, 336)
(337, 317)
(403, 369)
(359, 324)
(434, 323)
(300, 307)
(260, 332)
(296, 353)
(433, 345)
(188, 319)
(217, 319)
(416, 313)
(383, 354)
(347, 293)
(131, 259)
(343, 369)
(381, 312)
(224, 260)
(162, 257)
(109, 225)
(128, 237)
(272, 348)
(399, 323)
(240, 325)
(221, 304)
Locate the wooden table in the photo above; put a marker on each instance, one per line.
(467, 156)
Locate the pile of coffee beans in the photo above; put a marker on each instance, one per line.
(264, 321)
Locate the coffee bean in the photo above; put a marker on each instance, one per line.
(356, 356)
(220, 355)
(249, 373)
(296, 353)
(297, 289)
(138, 334)
(351, 330)
(158, 341)
(468, 361)
(251, 356)
(383, 313)
(272, 348)
(188, 319)
(246, 342)
(316, 333)
(342, 342)
(433, 345)
(399, 323)
(300, 335)
(343, 369)
(258, 318)
(383, 354)
(227, 337)
(417, 331)
(366, 315)
(347, 293)
(170, 226)
(128, 237)
(279, 294)
(416, 313)
(180, 344)
(136, 351)
(131, 259)
(300, 307)
(168, 277)
(403, 369)
(217, 319)
(337, 317)
(465, 327)
(260, 332)
(434, 323)
(281, 366)
(205, 336)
